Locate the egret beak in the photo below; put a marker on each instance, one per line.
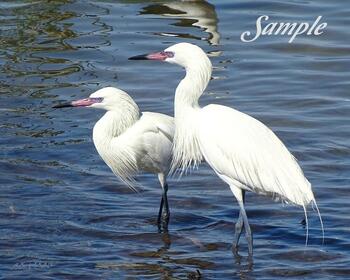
(79, 103)
(153, 56)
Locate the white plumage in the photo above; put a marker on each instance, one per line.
(130, 142)
(250, 156)
(242, 151)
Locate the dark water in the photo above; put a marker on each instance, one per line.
(63, 214)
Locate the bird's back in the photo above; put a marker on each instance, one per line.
(247, 154)
(152, 136)
(146, 145)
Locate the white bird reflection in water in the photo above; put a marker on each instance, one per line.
(190, 13)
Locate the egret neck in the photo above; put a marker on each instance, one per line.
(107, 136)
(115, 122)
(186, 147)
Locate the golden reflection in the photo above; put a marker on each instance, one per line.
(36, 28)
(189, 13)
(166, 263)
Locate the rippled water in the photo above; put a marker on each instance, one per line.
(64, 215)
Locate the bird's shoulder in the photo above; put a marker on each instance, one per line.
(226, 114)
(229, 121)
(157, 123)
(157, 118)
(153, 125)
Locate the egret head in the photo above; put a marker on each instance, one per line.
(108, 98)
(184, 54)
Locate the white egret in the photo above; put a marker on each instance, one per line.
(242, 151)
(130, 142)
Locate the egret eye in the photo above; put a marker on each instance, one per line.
(168, 54)
(96, 99)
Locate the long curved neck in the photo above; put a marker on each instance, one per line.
(186, 151)
(192, 86)
(106, 133)
(112, 125)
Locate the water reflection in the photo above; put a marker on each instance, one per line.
(243, 265)
(37, 28)
(163, 262)
(189, 13)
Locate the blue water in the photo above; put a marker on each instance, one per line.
(63, 214)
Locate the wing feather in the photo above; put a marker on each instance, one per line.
(151, 140)
(246, 153)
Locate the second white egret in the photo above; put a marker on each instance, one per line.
(130, 142)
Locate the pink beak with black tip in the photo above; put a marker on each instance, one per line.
(79, 103)
(153, 56)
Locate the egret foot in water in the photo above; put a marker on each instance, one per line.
(164, 212)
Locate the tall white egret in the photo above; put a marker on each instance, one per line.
(130, 142)
(243, 152)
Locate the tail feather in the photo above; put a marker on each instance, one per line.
(307, 226)
(320, 218)
(313, 201)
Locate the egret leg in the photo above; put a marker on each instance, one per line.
(239, 194)
(238, 231)
(164, 212)
(160, 211)
(239, 226)
(248, 232)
